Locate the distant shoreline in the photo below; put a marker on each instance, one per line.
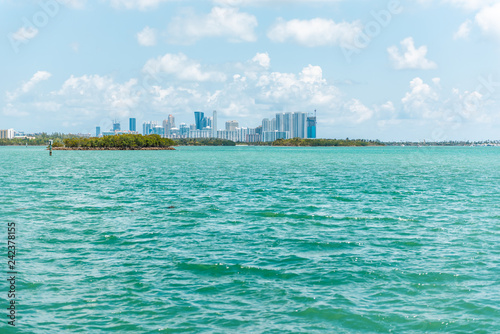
(113, 149)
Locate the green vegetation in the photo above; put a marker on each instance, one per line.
(39, 140)
(326, 142)
(123, 142)
(204, 142)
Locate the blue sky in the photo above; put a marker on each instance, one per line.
(389, 70)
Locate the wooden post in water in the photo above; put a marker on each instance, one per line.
(50, 147)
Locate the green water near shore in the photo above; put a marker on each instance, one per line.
(254, 239)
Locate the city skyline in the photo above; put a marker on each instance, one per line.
(388, 70)
(282, 126)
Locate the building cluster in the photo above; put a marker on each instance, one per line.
(116, 130)
(283, 126)
(12, 134)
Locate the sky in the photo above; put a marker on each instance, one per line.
(388, 70)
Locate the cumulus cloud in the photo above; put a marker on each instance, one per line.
(472, 5)
(93, 95)
(147, 37)
(136, 4)
(464, 30)
(488, 20)
(410, 57)
(421, 100)
(29, 85)
(315, 32)
(220, 22)
(25, 34)
(182, 68)
(262, 59)
(267, 2)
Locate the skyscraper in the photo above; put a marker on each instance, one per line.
(299, 125)
(132, 124)
(147, 127)
(311, 126)
(168, 125)
(293, 123)
(116, 125)
(231, 125)
(198, 118)
(206, 123)
(97, 131)
(171, 121)
(267, 125)
(214, 124)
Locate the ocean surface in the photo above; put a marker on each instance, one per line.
(253, 240)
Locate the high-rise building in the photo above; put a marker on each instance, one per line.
(97, 131)
(116, 125)
(171, 121)
(158, 130)
(293, 123)
(183, 130)
(7, 134)
(132, 124)
(206, 123)
(299, 125)
(280, 121)
(198, 118)
(168, 125)
(147, 127)
(231, 125)
(214, 124)
(311, 126)
(266, 125)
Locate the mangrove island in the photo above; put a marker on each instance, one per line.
(122, 142)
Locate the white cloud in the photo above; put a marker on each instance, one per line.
(315, 32)
(488, 19)
(182, 68)
(24, 34)
(136, 4)
(28, 86)
(92, 94)
(36, 78)
(472, 5)
(11, 110)
(220, 22)
(77, 4)
(410, 57)
(357, 111)
(307, 90)
(464, 30)
(268, 2)
(422, 100)
(262, 59)
(147, 37)
(312, 74)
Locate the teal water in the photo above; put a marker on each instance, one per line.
(254, 240)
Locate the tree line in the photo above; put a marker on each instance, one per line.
(124, 141)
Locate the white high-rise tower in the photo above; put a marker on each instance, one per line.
(214, 124)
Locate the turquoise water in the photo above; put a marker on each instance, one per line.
(254, 240)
